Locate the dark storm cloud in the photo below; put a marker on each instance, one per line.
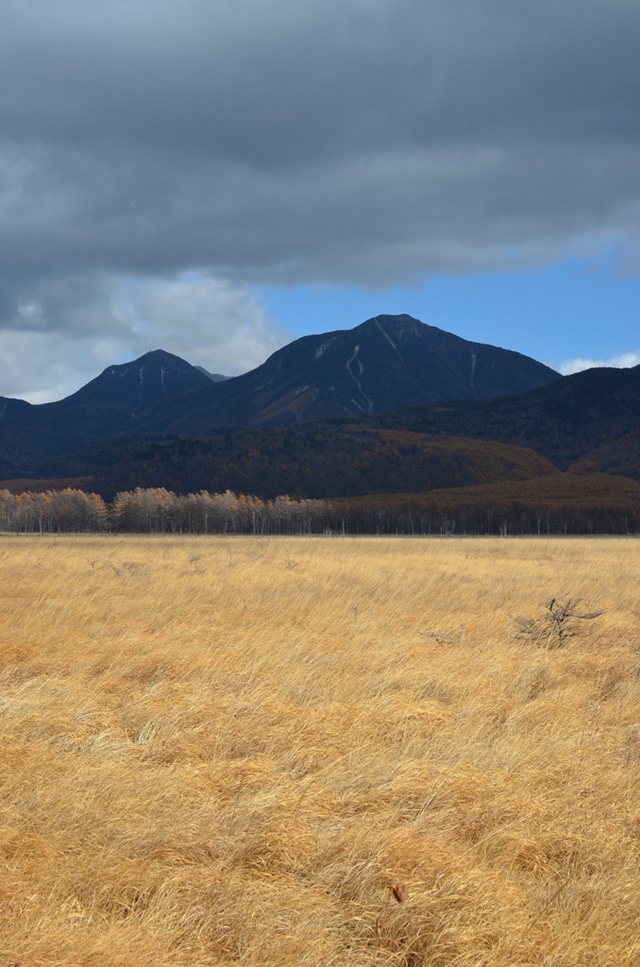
(366, 141)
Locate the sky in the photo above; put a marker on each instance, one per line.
(219, 177)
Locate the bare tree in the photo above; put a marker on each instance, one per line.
(557, 623)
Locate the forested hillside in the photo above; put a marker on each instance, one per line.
(591, 415)
(327, 459)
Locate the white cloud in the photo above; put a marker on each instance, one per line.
(43, 366)
(208, 322)
(578, 364)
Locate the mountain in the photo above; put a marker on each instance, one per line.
(590, 416)
(397, 423)
(385, 363)
(30, 434)
(586, 422)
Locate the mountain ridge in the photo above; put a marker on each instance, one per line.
(398, 358)
(385, 362)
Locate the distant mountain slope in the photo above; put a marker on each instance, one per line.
(386, 362)
(593, 415)
(30, 434)
(214, 377)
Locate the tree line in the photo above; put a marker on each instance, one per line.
(159, 511)
(155, 510)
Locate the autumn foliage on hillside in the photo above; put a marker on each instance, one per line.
(592, 415)
(328, 459)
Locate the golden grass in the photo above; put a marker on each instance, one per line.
(220, 750)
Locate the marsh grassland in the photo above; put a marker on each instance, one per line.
(226, 751)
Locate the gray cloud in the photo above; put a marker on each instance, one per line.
(355, 141)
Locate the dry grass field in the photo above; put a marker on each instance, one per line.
(229, 751)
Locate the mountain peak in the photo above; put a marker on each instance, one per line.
(395, 321)
(397, 328)
(139, 384)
